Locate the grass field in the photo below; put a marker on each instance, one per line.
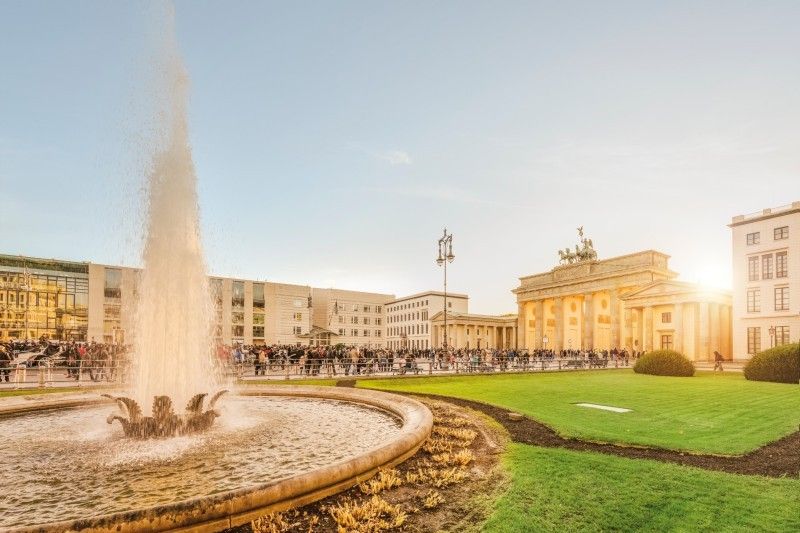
(28, 392)
(561, 490)
(723, 413)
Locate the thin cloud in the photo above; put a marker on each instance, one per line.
(395, 157)
(391, 156)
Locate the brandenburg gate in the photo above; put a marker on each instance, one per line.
(631, 302)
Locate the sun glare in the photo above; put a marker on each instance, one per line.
(713, 276)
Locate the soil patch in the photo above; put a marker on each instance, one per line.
(462, 506)
(777, 459)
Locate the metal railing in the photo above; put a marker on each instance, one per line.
(338, 369)
(87, 373)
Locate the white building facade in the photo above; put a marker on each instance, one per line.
(352, 318)
(766, 279)
(408, 319)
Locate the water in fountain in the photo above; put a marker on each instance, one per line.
(172, 341)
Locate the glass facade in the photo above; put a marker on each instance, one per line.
(43, 298)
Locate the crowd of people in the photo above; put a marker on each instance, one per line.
(88, 360)
(350, 360)
(111, 362)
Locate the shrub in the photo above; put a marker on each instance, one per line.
(780, 364)
(664, 363)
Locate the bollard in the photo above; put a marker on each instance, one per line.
(559, 364)
(20, 375)
(430, 367)
(41, 375)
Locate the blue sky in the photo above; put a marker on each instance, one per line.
(334, 140)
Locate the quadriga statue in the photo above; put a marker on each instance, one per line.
(164, 422)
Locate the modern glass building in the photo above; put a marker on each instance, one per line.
(43, 297)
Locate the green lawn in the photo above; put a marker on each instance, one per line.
(561, 490)
(29, 392)
(320, 382)
(722, 413)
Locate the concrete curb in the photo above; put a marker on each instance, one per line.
(239, 507)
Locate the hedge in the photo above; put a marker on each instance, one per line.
(780, 364)
(664, 363)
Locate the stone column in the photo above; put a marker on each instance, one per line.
(648, 329)
(714, 329)
(522, 326)
(588, 321)
(558, 342)
(702, 332)
(639, 336)
(677, 321)
(613, 300)
(539, 325)
(725, 330)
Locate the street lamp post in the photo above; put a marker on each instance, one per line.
(445, 256)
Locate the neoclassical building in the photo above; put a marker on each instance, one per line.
(467, 331)
(631, 301)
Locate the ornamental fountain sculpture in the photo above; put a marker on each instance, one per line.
(164, 422)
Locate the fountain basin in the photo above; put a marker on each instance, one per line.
(204, 512)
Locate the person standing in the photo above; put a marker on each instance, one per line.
(718, 361)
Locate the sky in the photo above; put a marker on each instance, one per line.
(334, 141)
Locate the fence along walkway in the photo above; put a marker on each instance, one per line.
(45, 375)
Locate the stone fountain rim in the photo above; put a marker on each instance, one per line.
(240, 506)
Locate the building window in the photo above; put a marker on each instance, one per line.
(354, 320)
(237, 331)
(354, 333)
(237, 317)
(113, 285)
(666, 318)
(781, 298)
(258, 319)
(258, 296)
(341, 319)
(752, 268)
(781, 233)
(297, 303)
(341, 332)
(367, 308)
(781, 264)
(666, 342)
(766, 266)
(366, 333)
(753, 238)
(258, 332)
(753, 340)
(366, 320)
(296, 330)
(377, 321)
(377, 333)
(237, 296)
(754, 300)
(781, 335)
(377, 308)
(298, 316)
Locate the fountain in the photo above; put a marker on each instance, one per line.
(276, 447)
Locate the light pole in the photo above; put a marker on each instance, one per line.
(445, 256)
(24, 283)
